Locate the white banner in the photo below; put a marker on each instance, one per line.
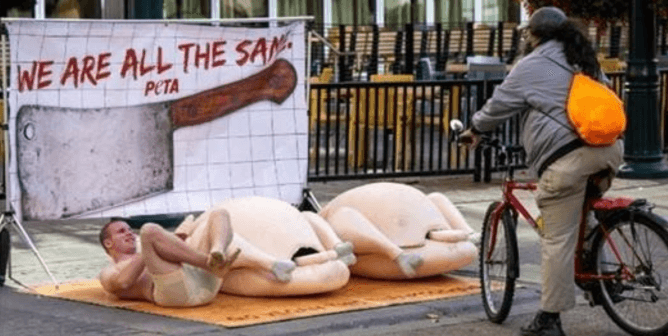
(125, 119)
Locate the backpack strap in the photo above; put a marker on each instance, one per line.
(548, 115)
(561, 65)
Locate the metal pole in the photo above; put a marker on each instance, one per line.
(215, 10)
(9, 217)
(181, 21)
(40, 10)
(273, 11)
(5, 121)
(4, 232)
(643, 152)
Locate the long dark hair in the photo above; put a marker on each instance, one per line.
(577, 46)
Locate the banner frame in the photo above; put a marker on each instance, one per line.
(8, 217)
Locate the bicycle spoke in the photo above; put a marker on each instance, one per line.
(497, 285)
(629, 246)
(638, 248)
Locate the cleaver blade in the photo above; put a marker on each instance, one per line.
(74, 160)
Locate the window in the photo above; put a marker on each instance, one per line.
(468, 10)
(294, 7)
(400, 12)
(448, 12)
(16, 8)
(350, 12)
(244, 8)
(68, 9)
(186, 9)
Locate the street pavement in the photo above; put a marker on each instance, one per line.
(71, 251)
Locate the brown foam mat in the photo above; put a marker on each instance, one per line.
(237, 311)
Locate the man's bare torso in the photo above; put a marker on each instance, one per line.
(142, 288)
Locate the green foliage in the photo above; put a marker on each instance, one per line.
(598, 11)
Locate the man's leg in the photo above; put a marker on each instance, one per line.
(558, 240)
(164, 252)
(213, 235)
(560, 201)
(560, 198)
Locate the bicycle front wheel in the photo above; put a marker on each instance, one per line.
(639, 304)
(498, 264)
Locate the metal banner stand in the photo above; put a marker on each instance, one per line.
(8, 217)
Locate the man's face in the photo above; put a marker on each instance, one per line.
(120, 238)
(528, 42)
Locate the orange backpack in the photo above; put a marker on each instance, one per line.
(595, 111)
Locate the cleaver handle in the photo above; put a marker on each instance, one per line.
(274, 83)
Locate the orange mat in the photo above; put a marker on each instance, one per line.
(237, 311)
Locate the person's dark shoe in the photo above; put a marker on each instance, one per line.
(544, 324)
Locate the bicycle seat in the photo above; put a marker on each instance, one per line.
(611, 203)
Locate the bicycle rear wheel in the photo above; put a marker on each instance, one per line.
(498, 270)
(639, 306)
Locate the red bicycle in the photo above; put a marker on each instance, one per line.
(620, 263)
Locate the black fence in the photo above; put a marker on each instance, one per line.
(361, 51)
(393, 129)
(397, 129)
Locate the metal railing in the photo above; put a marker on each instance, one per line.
(397, 129)
(391, 129)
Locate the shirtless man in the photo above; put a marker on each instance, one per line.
(167, 271)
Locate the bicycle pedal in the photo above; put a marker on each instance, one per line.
(590, 298)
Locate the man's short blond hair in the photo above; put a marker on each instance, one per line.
(104, 232)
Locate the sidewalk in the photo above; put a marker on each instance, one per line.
(71, 251)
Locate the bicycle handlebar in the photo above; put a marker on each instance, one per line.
(504, 151)
(486, 140)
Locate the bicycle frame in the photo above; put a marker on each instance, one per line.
(580, 274)
(510, 200)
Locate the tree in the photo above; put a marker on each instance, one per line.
(601, 12)
(6, 5)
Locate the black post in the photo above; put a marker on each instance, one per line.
(615, 41)
(342, 57)
(643, 152)
(408, 56)
(499, 40)
(469, 39)
(4, 254)
(373, 63)
(439, 46)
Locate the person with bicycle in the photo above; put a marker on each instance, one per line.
(537, 88)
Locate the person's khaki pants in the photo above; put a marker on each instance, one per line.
(560, 197)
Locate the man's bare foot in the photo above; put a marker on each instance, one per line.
(219, 265)
(215, 259)
(282, 270)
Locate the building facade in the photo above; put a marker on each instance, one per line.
(325, 12)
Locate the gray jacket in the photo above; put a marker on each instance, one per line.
(535, 82)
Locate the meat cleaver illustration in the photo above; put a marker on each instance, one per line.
(72, 161)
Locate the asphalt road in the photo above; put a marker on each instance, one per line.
(71, 251)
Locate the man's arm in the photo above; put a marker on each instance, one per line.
(123, 275)
(508, 99)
